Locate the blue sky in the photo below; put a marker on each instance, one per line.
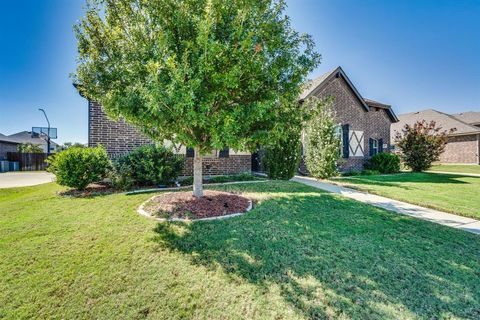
(410, 54)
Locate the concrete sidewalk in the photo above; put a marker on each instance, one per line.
(24, 179)
(447, 219)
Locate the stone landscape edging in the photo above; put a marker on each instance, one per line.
(144, 213)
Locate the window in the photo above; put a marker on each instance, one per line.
(374, 147)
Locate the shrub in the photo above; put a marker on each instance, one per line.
(351, 173)
(369, 172)
(281, 160)
(322, 142)
(384, 163)
(149, 165)
(421, 144)
(78, 167)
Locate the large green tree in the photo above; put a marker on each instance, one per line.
(208, 74)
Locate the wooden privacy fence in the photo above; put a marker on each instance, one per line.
(29, 161)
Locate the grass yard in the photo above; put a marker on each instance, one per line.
(459, 168)
(450, 193)
(299, 254)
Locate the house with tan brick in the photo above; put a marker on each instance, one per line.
(365, 127)
(463, 146)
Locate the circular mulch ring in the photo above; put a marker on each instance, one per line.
(183, 206)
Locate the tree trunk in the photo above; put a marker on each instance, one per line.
(197, 174)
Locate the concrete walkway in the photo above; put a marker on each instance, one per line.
(446, 219)
(24, 179)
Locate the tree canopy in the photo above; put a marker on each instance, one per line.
(208, 74)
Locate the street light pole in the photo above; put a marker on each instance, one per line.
(48, 133)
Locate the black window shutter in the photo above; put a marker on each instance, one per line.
(345, 135)
(380, 145)
(224, 153)
(190, 153)
(370, 146)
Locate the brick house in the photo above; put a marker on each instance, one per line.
(365, 124)
(463, 145)
(119, 137)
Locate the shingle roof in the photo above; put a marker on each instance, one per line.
(26, 137)
(311, 85)
(443, 120)
(470, 117)
(388, 108)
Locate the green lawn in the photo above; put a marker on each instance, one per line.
(446, 192)
(460, 168)
(299, 254)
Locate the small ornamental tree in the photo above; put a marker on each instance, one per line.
(322, 142)
(421, 144)
(208, 74)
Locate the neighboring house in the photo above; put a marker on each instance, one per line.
(470, 117)
(26, 137)
(463, 144)
(365, 124)
(6, 145)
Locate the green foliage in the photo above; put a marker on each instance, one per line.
(207, 74)
(68, 145)
(322, 143)
(233, 178)
(282, 158)
(351, 173)
(29, 147)
(421, 144)
(368, 172)
(384, 163)
(149, 165)
(78, 167)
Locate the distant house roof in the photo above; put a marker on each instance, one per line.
(470, 117)
(317, 84)
(26, 137)
(443, 120)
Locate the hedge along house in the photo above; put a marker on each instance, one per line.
(119, 138)
(365, 124)
(463, 145)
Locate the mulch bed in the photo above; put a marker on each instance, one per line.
(93, 189)
(184, 205)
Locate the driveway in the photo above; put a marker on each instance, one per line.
(24, 179)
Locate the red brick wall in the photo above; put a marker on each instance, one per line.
(233, 164)
(348, 110)
(119, 137)
(461, 149)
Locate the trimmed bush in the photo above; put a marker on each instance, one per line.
(78, 167)
(148, 165)
(282, 159)
(384, 163)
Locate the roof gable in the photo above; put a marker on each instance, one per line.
(318, 83)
